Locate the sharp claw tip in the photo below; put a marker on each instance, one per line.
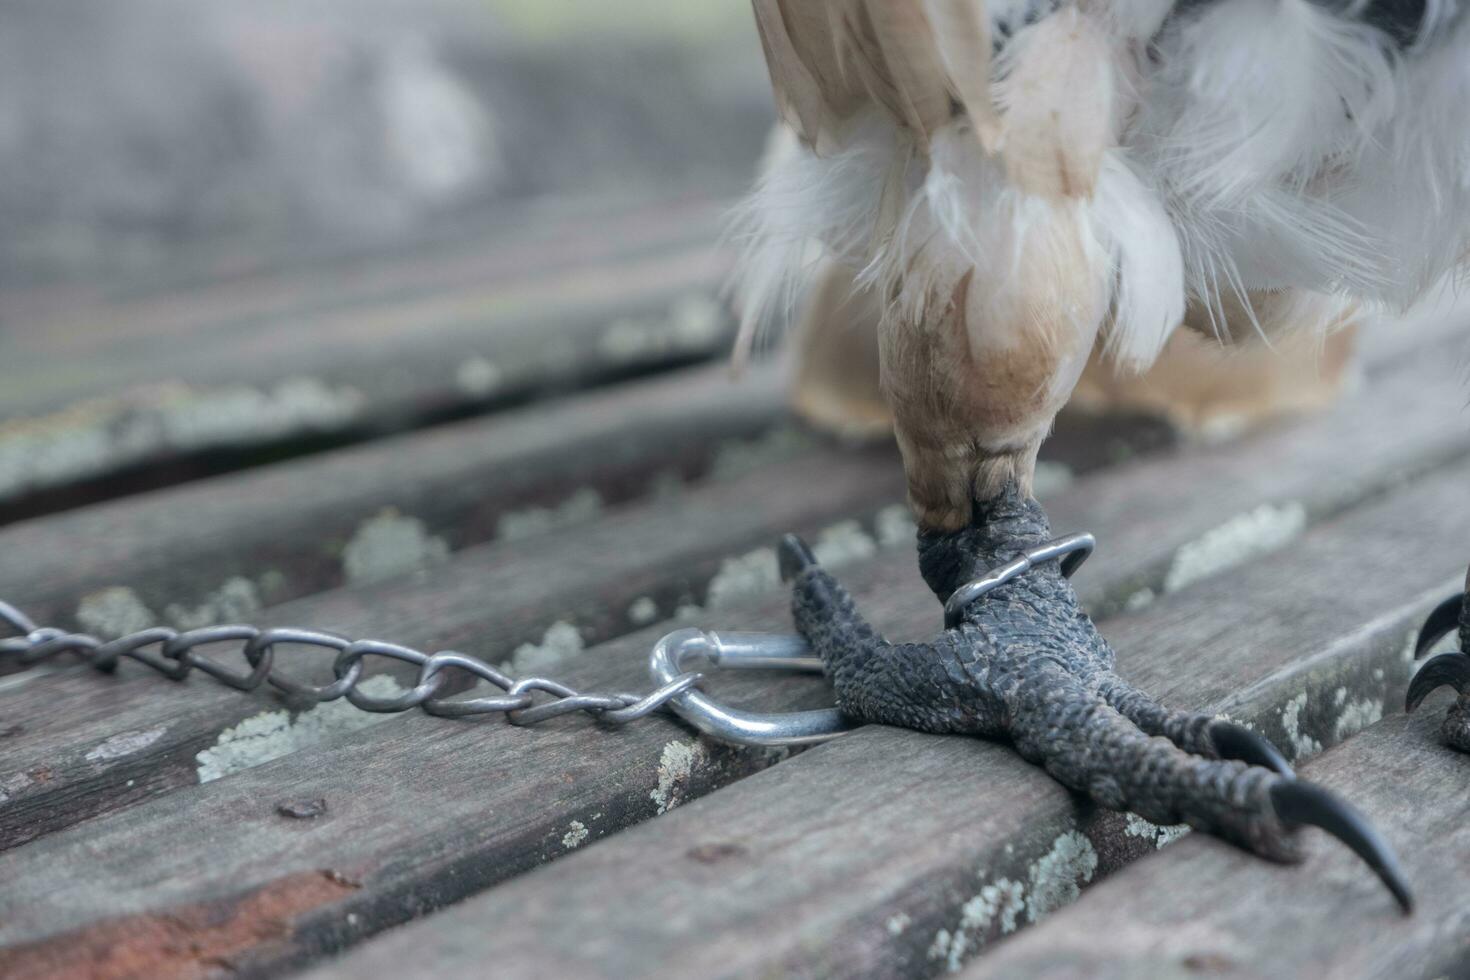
(1452, 669)
(794, 557)
(1438, 625)
(1304, 803)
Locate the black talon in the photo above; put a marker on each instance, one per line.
(794, 557)
(1441, 622)
(1302, 803)
(1234, 741)
(1447, 668)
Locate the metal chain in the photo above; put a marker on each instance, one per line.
(176, 655)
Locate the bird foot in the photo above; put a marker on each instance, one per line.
(1447, 669)
(1025, 662)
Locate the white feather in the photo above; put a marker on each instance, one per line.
(1439, 15)
(1251, 125)
(801, 197)
(1411, 184)
(1251, 93)
(1263, 145)
(1149, 301)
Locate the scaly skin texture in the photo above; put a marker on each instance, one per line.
(1456, 727)
(1026, 663)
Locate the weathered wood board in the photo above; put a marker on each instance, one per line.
(94, 389)
(588, 583)
(84, 325)
(1198, 908)
(276, 533)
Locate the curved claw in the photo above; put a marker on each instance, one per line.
(1446, 617)
(1234, 741)
(1447, 668)
(794, 557)
(1302, 803)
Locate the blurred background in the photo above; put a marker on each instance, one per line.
(144, 139)
(231, 228)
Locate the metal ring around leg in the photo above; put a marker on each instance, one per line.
(670, 659)
(1073, 550)
(672, 655)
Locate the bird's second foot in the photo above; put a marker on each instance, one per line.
(1448, 669)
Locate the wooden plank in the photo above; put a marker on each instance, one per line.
(452, 845)
(892, 853)
(277, 533)
(537, 240)
(357, 366)
(1200, 907)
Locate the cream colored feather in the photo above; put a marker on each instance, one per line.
(1056, 99)
(1116, 161)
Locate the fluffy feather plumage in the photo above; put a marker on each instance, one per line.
(1113, 161)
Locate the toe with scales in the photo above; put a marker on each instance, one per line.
(1207, 735)
(1211, 773)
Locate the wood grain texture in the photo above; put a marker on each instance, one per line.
(435, 811)
(283, 529)
(540, 241)
(228, 369)
(1200, 908)
(417, 814)
(876, 854)
(449, 866)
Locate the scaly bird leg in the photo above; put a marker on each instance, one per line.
(1026, 662)
(1451, 669)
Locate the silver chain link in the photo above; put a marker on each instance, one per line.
(176, 654)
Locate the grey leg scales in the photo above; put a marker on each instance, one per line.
(1027, 664)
